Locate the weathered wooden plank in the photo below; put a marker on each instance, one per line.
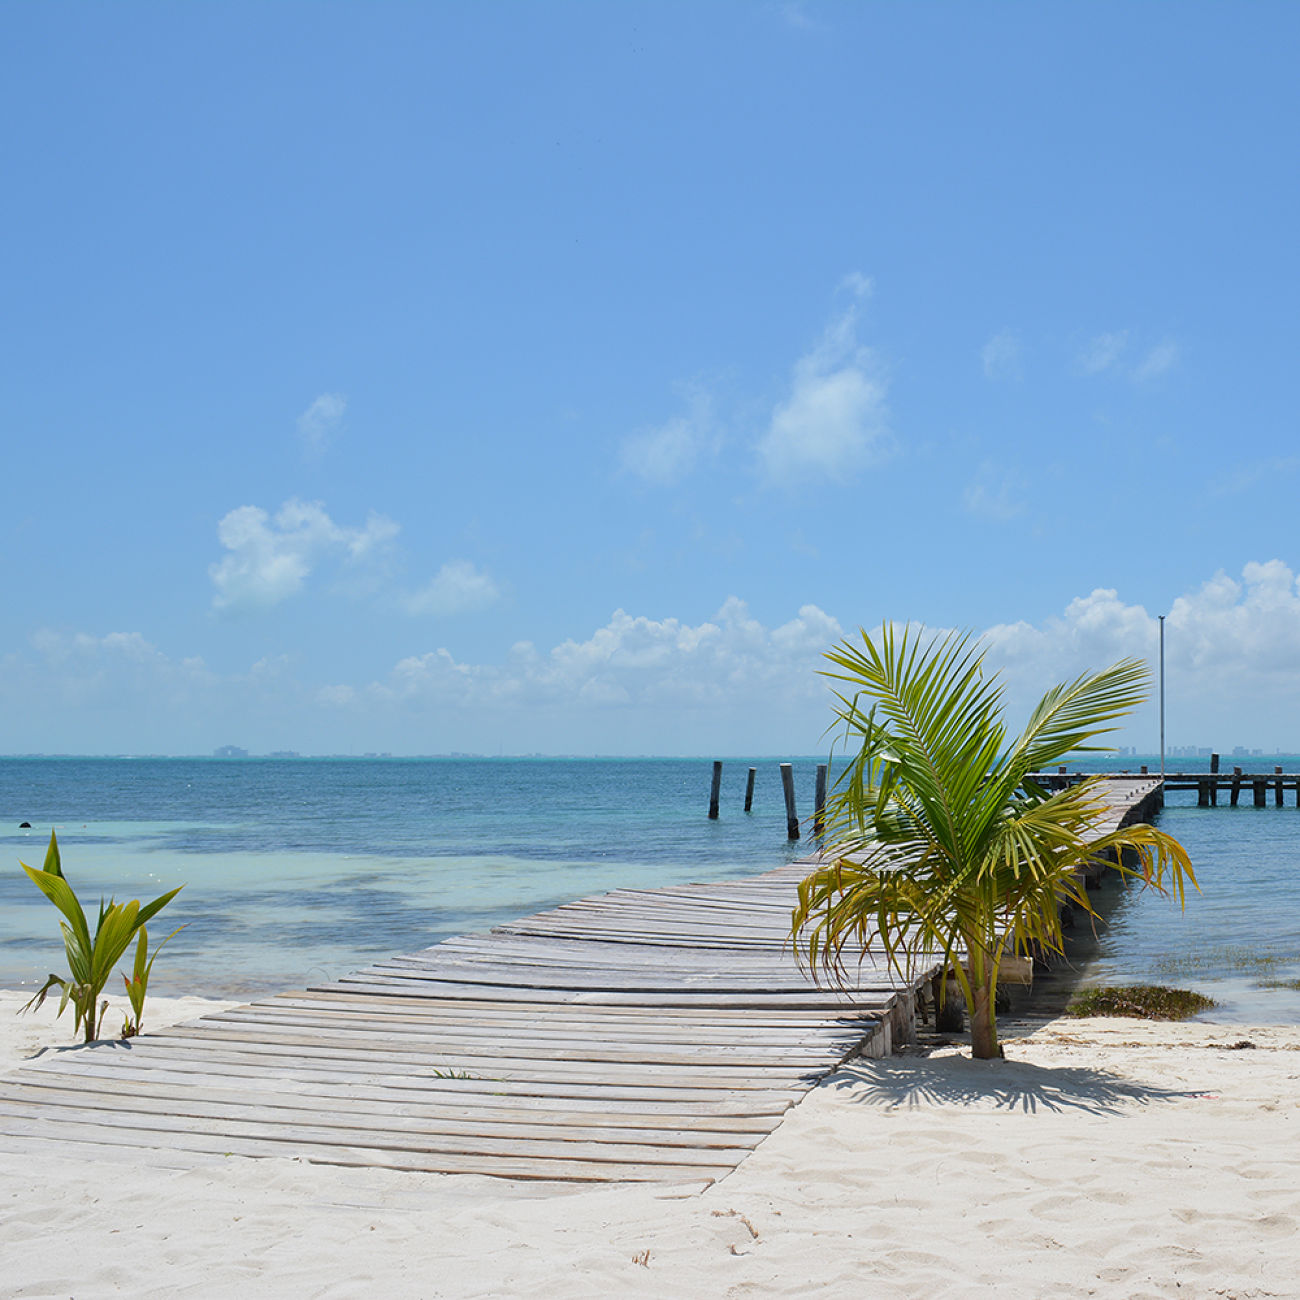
(402, 1081)
(389, 1124)
(814, 999)
(417, 1045)
(645, 1035)
(276, 1131)
(153, 1089)
(602, 1017)
(495, 1067)
(610, 980)
(502, 1166)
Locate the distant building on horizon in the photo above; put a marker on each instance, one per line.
(229, 751)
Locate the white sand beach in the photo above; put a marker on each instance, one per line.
(1102, 1158)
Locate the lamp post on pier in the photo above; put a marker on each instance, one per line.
(1162, 697)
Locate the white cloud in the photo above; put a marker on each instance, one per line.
(1106, 351)
(78, 672)
(993, 494)
(321, 421)
(834, 423)
(1231, 652)
(1000, 356)
(1162, 358)
(632, 662)
(1103, 352)
(1241, 478)
(795, 13)
(651, 685)
(457, 588)
(270, 559)
(857, 284)
(666, 454)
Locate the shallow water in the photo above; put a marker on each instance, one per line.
(1238, 939)
(300, 871)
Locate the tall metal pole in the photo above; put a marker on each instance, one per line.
(1162, 696)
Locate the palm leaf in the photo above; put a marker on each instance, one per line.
(940, 845)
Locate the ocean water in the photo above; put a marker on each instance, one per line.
(296, 871)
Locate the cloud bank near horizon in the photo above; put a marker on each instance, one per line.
(642, 685)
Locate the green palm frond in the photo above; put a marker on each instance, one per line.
(940, 850)
(91, 958)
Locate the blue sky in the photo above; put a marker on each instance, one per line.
(567, 377)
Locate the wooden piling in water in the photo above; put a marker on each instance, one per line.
(715, 791)
(1277, 786)
(819, 800)
(749, 789)
(1236, 785)
(791, 817)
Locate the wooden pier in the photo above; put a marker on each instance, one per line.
(641, 1035)
(1263, 787)
(637, 1035)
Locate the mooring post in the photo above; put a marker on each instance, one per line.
(1214, 779)
(819, 800)
(715, 790)
(1236, 785)
(1144, 770)
(749, 789)
(1277, 786)
(791, 817)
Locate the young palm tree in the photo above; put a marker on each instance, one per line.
(940, 846)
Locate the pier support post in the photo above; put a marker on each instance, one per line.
(714, 791)
(819, 800)
(791, 817)
(749, 789)
(1277, 786)
(1236, 785)
(1214, 780)
(1261, 795)
(1203, 792)
(949, 1007)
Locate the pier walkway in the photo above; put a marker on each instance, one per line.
(640, 1035)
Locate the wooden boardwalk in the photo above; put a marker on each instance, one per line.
(640, 1035)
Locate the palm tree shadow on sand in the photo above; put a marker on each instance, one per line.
(957, 1081)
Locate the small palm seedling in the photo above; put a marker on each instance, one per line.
(91, 958)
(137, 983)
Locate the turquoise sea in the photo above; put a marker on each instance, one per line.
(299, 870)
